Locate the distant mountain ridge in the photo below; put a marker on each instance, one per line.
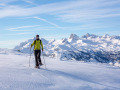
(88, 45)
(86, 42)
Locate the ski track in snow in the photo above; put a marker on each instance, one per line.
(15, 74)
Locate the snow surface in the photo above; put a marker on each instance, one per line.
(15, 74)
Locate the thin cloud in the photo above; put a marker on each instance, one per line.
(13, 29)
(40, 29)
(23, 33)
(20, 30)
(29, 2)
(67, 11)
(46, 21)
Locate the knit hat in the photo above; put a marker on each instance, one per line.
(37, 35)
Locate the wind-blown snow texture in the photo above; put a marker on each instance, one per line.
(15, 74)
(90, 48)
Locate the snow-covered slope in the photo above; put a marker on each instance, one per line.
(89, 46)
(15, 74)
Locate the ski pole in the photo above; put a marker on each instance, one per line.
(30, 57)
(44, 60)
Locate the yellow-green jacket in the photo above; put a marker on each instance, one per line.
(37, 44)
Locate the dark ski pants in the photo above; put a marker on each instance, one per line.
(37, 54)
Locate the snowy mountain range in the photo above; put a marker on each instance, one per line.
(89, 47)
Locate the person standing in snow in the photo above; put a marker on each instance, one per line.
(37, 50)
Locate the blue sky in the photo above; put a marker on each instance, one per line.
(56, 19)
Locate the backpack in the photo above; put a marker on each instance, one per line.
(35, 42)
